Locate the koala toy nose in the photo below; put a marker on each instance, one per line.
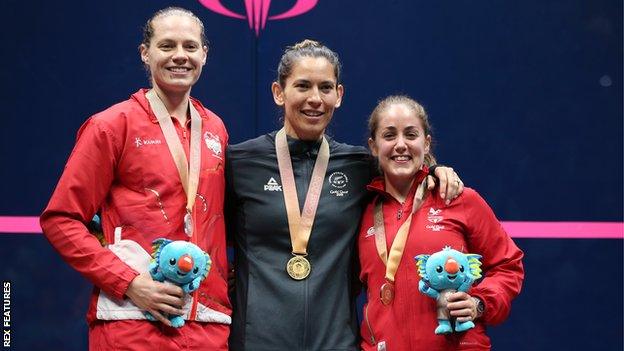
(185, 263)
(451, 266)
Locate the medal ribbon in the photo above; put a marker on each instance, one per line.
(300, 224)
(189, 173)
(398, 244)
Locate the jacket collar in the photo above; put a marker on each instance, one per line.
(378, 185)
(140, 98)
(301, 147)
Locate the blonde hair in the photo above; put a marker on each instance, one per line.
(148, 29)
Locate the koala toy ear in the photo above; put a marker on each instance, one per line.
(208, 265)
(157, 246)
(474, 265)
(421, 263)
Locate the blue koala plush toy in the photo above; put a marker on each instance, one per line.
(181, 263)
(444, 273)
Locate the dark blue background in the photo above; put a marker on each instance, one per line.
(525, 98)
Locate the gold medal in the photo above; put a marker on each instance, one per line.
(298, 267)
(300, 222)
(387, 293)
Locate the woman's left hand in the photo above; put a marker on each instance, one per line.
(450, 184)
(462, 306)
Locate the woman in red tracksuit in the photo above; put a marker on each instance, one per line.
(398, 316)
(122, 165)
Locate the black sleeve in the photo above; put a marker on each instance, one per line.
(432, 170)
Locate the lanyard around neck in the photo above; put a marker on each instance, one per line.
(189, 173)
(392, 260)
(300, 223)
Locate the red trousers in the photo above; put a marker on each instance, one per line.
(135, 335)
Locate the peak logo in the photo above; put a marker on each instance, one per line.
(272, 185)
(258, 11)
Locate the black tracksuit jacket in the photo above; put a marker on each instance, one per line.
(271, 310)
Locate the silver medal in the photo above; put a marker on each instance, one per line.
(188, 224)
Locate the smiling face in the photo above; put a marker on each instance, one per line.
(400, 144)
(175, 54)
(309, 97)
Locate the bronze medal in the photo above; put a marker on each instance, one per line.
(387, 293)
(392, 260)
(298, 267)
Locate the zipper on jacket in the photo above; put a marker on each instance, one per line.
(399, 213)
(370, 329)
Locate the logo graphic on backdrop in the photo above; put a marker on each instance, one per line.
(258, 11)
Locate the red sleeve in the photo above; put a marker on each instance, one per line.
(503, 272)
(227, 136)
(83, 186)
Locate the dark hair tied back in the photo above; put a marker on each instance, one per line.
(306, 48)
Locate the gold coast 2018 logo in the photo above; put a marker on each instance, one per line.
(258, 11)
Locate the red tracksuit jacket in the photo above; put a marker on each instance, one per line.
(467, 225)
(122, 166)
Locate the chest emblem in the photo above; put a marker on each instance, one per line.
(213, 143)
(435, 217)
(370, 232)
(138, 142)
(338, 182)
